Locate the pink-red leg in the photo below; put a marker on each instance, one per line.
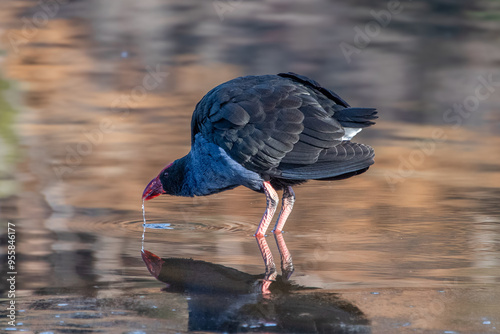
(271, 273)
(272, 203)
(286, 209)
(286, 258)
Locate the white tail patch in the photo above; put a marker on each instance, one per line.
(350, 132)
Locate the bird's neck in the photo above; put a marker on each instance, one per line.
(191, 176)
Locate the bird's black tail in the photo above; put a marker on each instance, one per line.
(356, 117)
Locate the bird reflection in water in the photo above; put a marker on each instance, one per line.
(224, 299)
(286, 261)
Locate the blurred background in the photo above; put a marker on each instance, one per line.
(96, 97)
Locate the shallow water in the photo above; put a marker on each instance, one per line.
(412, 245)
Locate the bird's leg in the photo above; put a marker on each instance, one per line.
(286, 209)
(286, 258)
(271, 273)
(272, 203)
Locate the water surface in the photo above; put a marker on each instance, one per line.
(97, 98)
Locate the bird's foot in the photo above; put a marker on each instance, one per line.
(265, 288)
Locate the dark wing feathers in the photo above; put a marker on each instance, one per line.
(342, 159)
(356, 117)
(313, 84)
(314, 141)
(346, 115)
(231, 112)
(291, 116)
(302, 154)
(322, 125)
(280, 143)
(291, 102)
(283, 126)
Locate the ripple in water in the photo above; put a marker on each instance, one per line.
(213, 225)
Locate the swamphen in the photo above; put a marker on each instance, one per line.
(268, 133)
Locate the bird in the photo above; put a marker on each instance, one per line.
(268, 133)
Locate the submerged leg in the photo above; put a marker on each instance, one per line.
(286, 209)
(272, 203)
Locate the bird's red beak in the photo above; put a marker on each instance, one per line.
(153, 189)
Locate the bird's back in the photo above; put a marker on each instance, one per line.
(285, 127)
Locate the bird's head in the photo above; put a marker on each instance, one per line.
(155, 187)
